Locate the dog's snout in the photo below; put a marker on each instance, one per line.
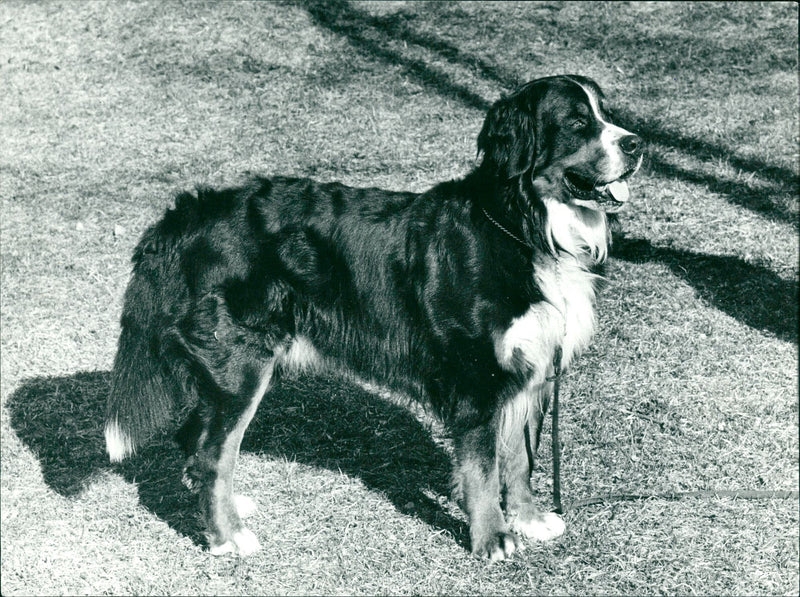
(631, 144)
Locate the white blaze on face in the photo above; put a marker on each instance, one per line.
(609, 138)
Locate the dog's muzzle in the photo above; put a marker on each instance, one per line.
(608, 196)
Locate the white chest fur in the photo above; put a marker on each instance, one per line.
(565, 317)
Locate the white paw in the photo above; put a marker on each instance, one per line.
(244, 543)
(542, 527)
(244, 505)
(498, 547)
(499, 553)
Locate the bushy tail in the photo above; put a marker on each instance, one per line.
(145, 384)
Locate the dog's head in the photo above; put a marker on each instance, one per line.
(556, 133)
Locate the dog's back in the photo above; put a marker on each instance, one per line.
(286, 256)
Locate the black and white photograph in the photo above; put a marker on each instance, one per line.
(347, 297)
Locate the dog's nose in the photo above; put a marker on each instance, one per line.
(631, 144)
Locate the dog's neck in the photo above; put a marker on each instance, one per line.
(578, 231)
(545, 225)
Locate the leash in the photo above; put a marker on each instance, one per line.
(556, 379)
(679, 495)
(556, 443)
(632, 497)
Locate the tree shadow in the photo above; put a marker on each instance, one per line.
(773, 201)
(364, 30)
(705, 150)
(752, 294)
(322, 422)
(340, 17)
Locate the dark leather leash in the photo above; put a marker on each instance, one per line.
(555, 441)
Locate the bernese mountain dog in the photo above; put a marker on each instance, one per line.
(458, 297)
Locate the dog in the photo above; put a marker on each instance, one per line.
(458, 297)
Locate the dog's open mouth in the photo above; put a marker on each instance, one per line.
(608, 196)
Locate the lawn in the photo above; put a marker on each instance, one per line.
(107, 110)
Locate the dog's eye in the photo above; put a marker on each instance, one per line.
(579, 124)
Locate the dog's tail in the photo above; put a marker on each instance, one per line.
(148, 381)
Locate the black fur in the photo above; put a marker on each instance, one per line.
(410, 290)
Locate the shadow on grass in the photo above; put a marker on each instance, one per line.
(367, 32)
(320, 422)
(340, 17)
(751, 294)
(775, 202)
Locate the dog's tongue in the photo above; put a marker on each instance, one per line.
(618, 190)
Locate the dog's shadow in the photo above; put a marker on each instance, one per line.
(322, 422)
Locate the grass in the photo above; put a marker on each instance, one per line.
(108, 109)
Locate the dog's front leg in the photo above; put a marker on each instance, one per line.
(519, 439)
(477, 476)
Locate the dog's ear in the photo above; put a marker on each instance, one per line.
(507, 139)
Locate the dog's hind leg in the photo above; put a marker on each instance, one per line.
(188, 438)
(520, 429)
(235, 369)
(209, 471)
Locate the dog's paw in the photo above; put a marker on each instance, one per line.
(497, 546)
(244, 505)
(539, 526)
(243, 543)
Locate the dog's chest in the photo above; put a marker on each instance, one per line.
(566, 318)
